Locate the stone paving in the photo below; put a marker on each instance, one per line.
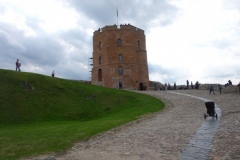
(227, 139)
(165, 134)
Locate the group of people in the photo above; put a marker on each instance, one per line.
(18, 65)
(168, 86)
(211, 88)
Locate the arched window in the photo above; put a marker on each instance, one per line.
(100, 60)
(138, 42)
(100, 45)
(120, 57)
(120, 71)
(119, 42)
(99, 74)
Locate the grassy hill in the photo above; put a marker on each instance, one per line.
(40, 114)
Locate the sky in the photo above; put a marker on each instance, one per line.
(195, 40)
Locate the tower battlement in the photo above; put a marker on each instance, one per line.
(115, 27)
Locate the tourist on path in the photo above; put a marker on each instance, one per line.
(220, 88)
(120, 85)
(155, 86)
(187, 84)
(211, 89)
(238, 88)
(18, 65)
(229, 82)
(169, 86)
(166, 87)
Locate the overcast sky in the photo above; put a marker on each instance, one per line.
(198, 40)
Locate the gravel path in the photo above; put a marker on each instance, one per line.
(165, 134)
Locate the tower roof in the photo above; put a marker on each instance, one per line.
(115, 27)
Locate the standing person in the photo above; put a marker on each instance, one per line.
(53, 73)
(18, 65)
(187, 84)
(238, 88)
(175, 86)
(191, 84)
(120, 85)
(197, 85)
(155, 86)
(230, 82)
(166, 87)
(220, 88)
(211, 89)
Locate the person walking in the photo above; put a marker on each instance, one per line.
(166, 87)
(187, 84)
(18, 65)
(220, 88)
(211, 89)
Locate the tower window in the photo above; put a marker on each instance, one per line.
(100, 45)
(100, 60)
(138, 42)
(120, 57)
(120, 71)
(119, 42)
(99, 74)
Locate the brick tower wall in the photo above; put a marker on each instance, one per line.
(134, 63)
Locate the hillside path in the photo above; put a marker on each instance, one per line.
(165, 134)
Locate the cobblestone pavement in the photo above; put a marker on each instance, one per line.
(165, 134)
(227, 140)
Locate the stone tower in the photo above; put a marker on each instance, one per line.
(119, 55)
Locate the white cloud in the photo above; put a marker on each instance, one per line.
(202, 36)
(195, 40)
(13, 18)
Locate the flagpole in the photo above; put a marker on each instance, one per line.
(117, 16)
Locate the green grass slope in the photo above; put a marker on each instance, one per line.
(40, 114)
